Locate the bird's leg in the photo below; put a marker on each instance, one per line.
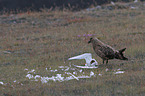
(103, 61)
(106, 62)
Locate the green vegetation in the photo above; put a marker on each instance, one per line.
(39, 40)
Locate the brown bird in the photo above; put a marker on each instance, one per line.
(105, 51)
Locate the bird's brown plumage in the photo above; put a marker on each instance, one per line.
(105, 51)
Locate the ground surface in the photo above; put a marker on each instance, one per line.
(38, 43)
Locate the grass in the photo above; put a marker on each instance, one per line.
(39, 40)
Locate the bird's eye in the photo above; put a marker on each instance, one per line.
(92, 61)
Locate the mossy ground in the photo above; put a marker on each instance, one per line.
(39, 40)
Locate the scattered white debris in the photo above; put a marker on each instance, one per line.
(135, 1)
(133, 7)
(112, 3)
(73, 75)
(7, 52)
(106, 69)
(37, 76)
(72, 69)
(83, 76)
(26, 69)
(81, 70)
(62, 66)
(78, 77)
(22, 84)
(29, 76)
(31, 71)
(86, 67)
(118, 72)
(66, 69)
(1, 83)
(44, 79)
(69, 78)
(59, 78)
(92, 74)
(62, 77)
(15, 81)
(118, 69)
(53, 70)
(100, 74)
